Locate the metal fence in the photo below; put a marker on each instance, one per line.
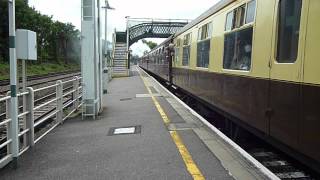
(61, 107)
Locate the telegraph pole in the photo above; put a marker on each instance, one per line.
(13, 86)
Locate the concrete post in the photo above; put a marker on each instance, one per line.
(59, 93)
(24, 89)
(9, 125)
(75, 94)
(13, 84)
(30, 115)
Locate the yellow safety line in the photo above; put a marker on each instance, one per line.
(191, 166)
(187, 158)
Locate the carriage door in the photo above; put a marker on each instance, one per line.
(286, 71)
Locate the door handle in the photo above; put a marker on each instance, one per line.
(269, 112)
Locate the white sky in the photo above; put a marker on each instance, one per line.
(70, 11)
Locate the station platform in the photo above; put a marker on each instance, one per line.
(142, 133)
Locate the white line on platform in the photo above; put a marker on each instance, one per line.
(251, 159)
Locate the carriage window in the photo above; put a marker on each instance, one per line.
(178, 42)
(251, 10)
(239, 16)
(186, 50)
(205, 31)
(203, 46)
(176, 54)
(187, 39)
(238, 42)
(186, 56)
(229, 21)
(237, 50)
(203, 50)
(288, 30)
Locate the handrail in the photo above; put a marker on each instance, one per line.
(69, 92)
(23, 132)
(23, 114)
(22, 94)
(68, 81)
(45, 118)
(5, 98)
(6, 121)
(27, 134)
(43, 88)
(5, 143)
(44, 104)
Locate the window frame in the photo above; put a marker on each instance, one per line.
(178, 42)
(209, 31)
(184, 45)
(234, 30)
(244, 19)
(209, 26)
(276, 58)
(202, 41)
(176, 54)
(189, 40)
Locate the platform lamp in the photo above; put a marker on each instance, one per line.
(106, 7)
(106, 71)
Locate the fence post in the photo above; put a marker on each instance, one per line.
(30, 115)
(75, 94)
(8, 105)
(59, 94)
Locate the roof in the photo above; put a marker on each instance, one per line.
(214, 9)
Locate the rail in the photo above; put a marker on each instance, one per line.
(27, 137)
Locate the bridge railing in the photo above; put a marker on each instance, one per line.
(31, 130)
(135, 21)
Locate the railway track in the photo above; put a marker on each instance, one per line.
(37, 81)
(38, 77)
(280, 164)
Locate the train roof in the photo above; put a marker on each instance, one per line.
(164, 42)
(214, 9)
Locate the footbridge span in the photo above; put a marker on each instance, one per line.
(140, 28)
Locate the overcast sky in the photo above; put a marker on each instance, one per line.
(70, 11)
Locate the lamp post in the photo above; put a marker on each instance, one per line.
(106, 7)
(128, 53)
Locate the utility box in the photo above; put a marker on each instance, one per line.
(26, 44)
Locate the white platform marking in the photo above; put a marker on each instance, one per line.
(147, 95)
(129, 130)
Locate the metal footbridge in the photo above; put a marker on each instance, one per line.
(140, 28)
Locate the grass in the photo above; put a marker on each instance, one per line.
(38, 69)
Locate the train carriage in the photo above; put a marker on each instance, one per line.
(258, 62)
(158, 60)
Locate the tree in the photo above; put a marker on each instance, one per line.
(150, 44)
(56, 41)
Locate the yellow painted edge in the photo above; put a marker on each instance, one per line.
(186, 156)
(191, 166)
